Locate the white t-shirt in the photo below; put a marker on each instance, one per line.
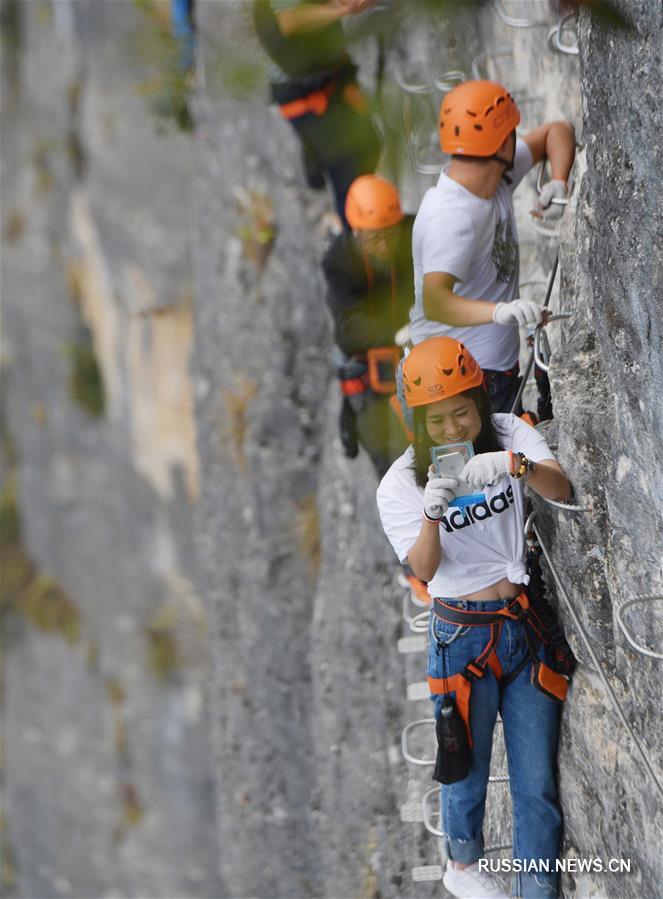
(476, 241)
(480, 549)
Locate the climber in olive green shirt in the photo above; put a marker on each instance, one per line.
(313, 81)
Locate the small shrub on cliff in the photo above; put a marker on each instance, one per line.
(86, 386)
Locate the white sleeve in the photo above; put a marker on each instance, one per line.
(523, 438)
(401, 512)
(522, 163)
(447, 243)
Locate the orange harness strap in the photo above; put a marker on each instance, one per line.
(461, 684)
(398, 412)
(316, 103)
(354, 386)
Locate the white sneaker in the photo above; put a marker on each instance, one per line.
(471, 883)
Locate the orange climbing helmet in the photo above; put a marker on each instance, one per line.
(438, 368)
(476, 118)
(372, 203)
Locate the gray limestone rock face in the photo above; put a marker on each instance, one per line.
(605, 379)
(106, 765)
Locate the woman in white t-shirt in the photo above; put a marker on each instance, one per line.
(474, 561)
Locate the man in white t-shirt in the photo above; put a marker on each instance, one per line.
(465, 243)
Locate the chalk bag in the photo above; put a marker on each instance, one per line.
(453, 751)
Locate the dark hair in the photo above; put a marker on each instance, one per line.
(486, 442)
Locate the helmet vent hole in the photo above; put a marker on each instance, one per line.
(417, 382)
(478, 127)
(448, 371)
(469, 112)
(463, 370)
(489, 110)
(500, 100)
(456, 130)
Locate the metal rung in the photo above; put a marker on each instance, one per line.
(412, 87)
(513, 21)
(555, 41)
(610, 693)
(499, 779)
(500, 52)
(418, 691)
(565, 507)
(542, 363)
(411, 813)
(420, 603)
(428, 815)
(422, 164)
(412, 644)
(436, 831)
(618, 616)
(419, 622)
(426, 873)
(448, 80)
(405, 735)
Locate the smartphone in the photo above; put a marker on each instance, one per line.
(448, 461)
(449, 465)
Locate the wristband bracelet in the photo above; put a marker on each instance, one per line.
(431, 520)
(513, 463)
(524, 467)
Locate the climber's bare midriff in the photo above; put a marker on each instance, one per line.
(503, 589)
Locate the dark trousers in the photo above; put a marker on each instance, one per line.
(368, 421)
(502, 389)
(342, 143)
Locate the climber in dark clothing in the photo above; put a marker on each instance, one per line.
(313, 81)
(369, 292)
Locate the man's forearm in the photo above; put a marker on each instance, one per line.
(561, 149)
(460, 312)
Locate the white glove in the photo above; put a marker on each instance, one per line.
(487, 468)
(402, 336)
(520, 312)
(438, 494)
(545, 208)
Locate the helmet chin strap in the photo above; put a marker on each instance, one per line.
(508, 166)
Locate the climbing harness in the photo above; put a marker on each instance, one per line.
(382, 364)
(544, 678)
(316, 103)
(352, 373)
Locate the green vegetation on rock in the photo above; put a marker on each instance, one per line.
(86, 386)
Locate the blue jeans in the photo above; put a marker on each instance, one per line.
(531, 726)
